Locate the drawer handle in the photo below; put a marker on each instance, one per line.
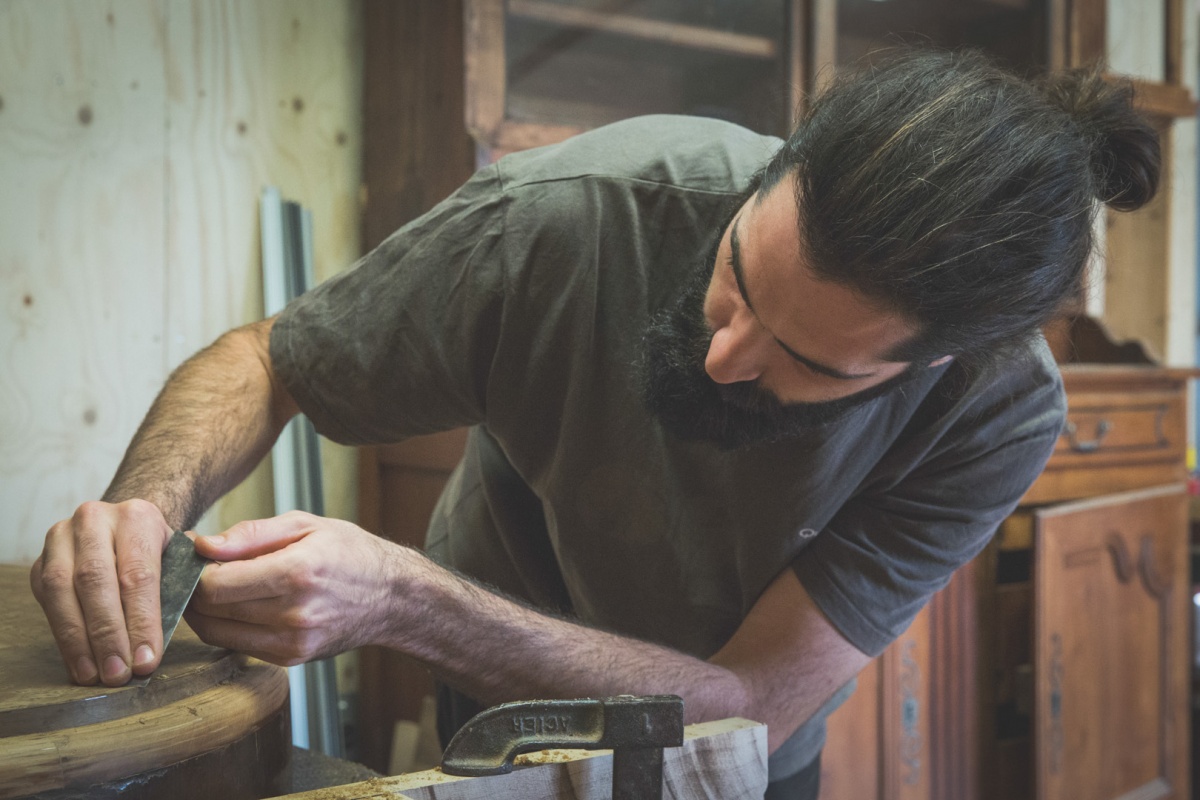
(1091, 446)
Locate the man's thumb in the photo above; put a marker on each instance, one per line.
(254, 537)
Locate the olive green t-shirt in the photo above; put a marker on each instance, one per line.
(518, 307)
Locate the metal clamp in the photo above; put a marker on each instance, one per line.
(635, 728)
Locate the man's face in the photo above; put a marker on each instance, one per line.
(756, 348)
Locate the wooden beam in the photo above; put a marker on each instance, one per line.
(823, 37)
(1058, 44)
(1173, 46)
(416, 151)
(511, 136)
(632, 25)
(1088, 21)
(485, 67)
(796, 62)
(726, 759)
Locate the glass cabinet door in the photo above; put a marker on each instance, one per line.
(1014, 32)
(539, 71)
(545, 68)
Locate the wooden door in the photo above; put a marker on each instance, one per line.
(1110, 647)
(878, 745)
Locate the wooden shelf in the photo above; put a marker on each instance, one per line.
(674, 33)
(1163, 99)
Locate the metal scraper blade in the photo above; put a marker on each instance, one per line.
(181, 568)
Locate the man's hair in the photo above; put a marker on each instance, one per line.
(962, 196)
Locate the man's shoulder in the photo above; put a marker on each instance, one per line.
(690, 153)
(1027, 371)
(1019, 396)
(962, 412)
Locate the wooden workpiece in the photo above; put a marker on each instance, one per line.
(726, 759)
(209, 723)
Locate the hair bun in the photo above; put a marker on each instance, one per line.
(1126, 155)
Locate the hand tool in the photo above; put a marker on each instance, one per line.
(181, 568)
(635, 728)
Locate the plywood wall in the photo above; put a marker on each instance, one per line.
(135, 137)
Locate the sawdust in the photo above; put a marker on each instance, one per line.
(551, 757)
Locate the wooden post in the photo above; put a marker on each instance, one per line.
(416, 151)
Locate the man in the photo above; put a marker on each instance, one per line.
(732, 424)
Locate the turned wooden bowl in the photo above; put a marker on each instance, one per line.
(209, 723)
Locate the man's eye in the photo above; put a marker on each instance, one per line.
(737, 279)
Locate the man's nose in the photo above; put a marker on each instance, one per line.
(737, 351)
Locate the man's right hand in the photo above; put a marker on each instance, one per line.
(98, 582)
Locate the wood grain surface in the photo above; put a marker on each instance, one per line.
(55, 735)
(135, 138)
(82, 184)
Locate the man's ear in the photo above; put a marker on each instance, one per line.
(939, 361)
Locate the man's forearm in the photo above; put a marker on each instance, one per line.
(298, 587)
(214, 420)
(497, 650)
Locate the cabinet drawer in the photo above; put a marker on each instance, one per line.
(1114, 431)
(1120, 435)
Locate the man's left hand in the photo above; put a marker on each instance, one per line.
(293, 588)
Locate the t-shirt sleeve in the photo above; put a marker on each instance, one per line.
(899, 540)
(401, 344)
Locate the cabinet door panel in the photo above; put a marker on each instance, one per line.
(850, 761)
(878, 745)
(1111, 648)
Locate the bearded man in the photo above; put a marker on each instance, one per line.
(738, 406)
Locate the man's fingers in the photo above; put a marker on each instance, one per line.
(285, 647)
(97, 580)
(53, 582)
(275, 574)
(139, 548)
(258, 537)
(273, 611)
(99, 593)
(300, 598)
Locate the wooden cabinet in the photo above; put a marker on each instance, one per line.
(1110, 656)
(1085, 635)
(1055, 666)
(538, 71)
(1109, 596)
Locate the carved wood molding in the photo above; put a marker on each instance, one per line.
(1122, 559)
(1152, 578)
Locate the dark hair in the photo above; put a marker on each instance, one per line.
(960, 195)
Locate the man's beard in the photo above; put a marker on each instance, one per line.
(692, 406)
